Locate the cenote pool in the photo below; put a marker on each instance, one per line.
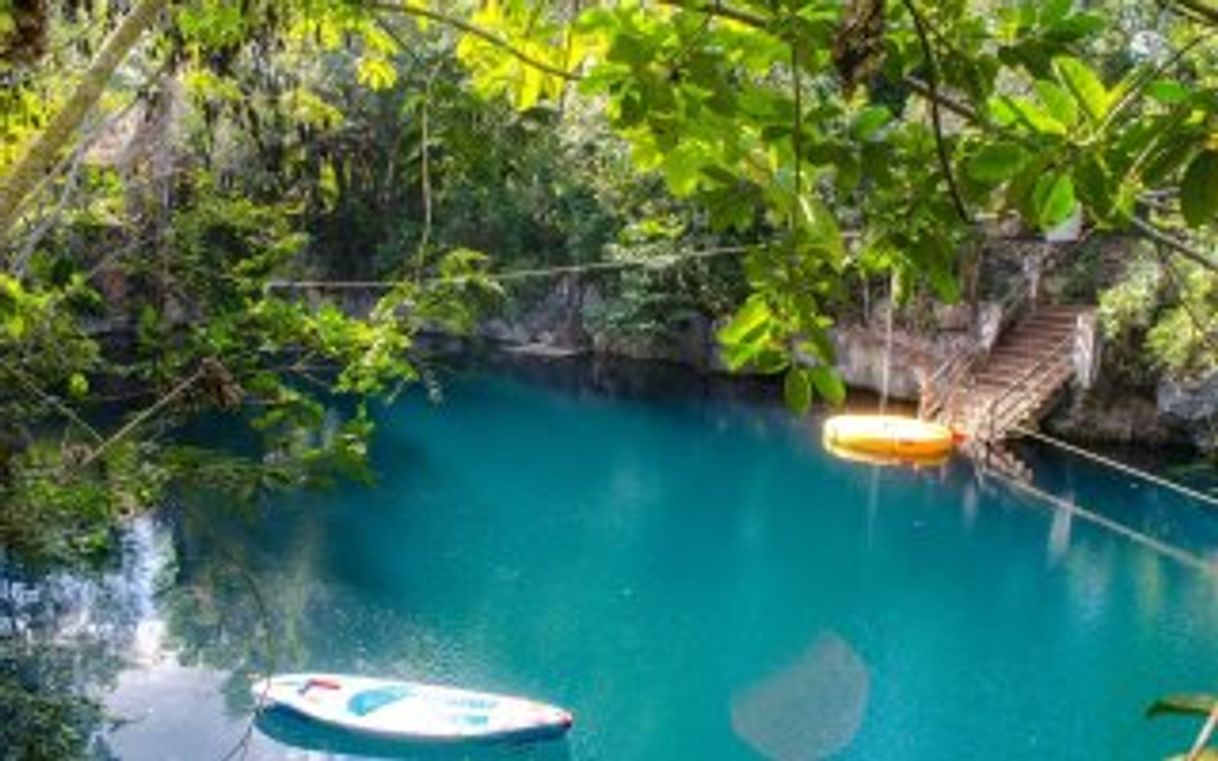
(692, 576)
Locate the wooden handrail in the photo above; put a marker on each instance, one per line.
(949, 375)
(931, 401)
(1023, 379)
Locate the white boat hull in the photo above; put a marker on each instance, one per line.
(398, 710)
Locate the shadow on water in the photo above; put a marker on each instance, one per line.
(291, 729)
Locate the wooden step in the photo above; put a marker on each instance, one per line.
(1025, 371)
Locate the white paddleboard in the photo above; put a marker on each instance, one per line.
(409, 710)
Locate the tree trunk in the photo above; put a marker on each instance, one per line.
(41, 155)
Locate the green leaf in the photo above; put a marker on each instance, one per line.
(1183, 705)
(1053, 199)
(1199, 189)
(944, 281)
(1168, 157)
(736, 356)
(770, 361)
(1053, 11)
(375, 73)
(1058, 101)
(1094, 187)
(78, 385)
(1085, 85)
(870, 120)
(1008, 110)
(1075, 27)
(996, 162)
(822, 228)
(828, 384)
(1168, 91)
(797, 390)
(748, 320)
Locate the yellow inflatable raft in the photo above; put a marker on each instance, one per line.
(889, 436)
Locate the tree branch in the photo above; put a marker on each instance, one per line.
(478, 32)
(1199, 9)
(39, 157)
(948, 103)
(932, 81)
(1177, 284)
(721, 10)
(425, 163)
(136, 421)
(920, 88)
(1153, 233)
(52, 400)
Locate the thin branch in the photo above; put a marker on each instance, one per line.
(42, 153)
(658, 262)
(52, 400)
(69, 184)
(1199, 9)
(425, 159)
(1204, 333)
(919, 88)
(1148, 77)
(948, 103)
(480, 33)
(721, 10)
(1175, 244)
(932, 81)
(797, 137)
(139, 419)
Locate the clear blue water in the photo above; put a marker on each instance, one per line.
(696, 579)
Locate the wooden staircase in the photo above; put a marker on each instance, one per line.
(989, 397)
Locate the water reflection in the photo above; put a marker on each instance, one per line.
(641, 564)
(64, 639)
(808, 709)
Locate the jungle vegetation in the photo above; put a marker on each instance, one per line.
(170, 171)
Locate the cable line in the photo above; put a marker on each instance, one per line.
(1199, 496)
(657, 262)
(1181, 556)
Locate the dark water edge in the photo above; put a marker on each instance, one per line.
(617, 377)
(101, 612)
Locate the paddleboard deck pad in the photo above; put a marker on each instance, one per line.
(409, 710)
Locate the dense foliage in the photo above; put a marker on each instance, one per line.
(175, 174)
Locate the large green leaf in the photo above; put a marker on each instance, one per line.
(822, 228)
(1199, 189)
(1058, 101)
(1168, 91)
(748, 320)
(1053, 199)
(1085, 85)
(870, 120)
(828, 383)
(1009, 110)
(997, 162)
(797, 389)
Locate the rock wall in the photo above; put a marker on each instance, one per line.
(1176, 413)
(1190, 409)
(1109, 415)
(557, 320)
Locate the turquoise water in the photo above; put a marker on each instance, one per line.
(693, 577)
